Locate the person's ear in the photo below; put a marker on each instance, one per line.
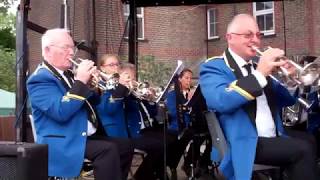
(47, 51)
(228, 36)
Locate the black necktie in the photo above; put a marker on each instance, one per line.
(248, 67)
(68, 75)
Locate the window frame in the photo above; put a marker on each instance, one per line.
(216, 36)
(265, 12)
(126, 14)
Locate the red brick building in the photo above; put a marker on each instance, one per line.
(190, 33)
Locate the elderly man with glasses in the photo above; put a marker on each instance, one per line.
(63, 112)
(248, 105)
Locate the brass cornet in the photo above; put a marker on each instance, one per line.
(306, 75)
(143, 90)
(102, 81)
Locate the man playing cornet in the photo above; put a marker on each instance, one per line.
(125, 115)
(63, 112)
(248, 105)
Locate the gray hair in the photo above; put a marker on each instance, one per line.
(233, 25)
(127, 67)
(48, 37)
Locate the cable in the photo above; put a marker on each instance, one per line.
(25, 100)
(68, 15)
(207, 49)
(20, 58)
(74, 15)
(20, 113)
(284, 28)
(123, 34)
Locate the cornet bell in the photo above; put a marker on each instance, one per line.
(310, 73)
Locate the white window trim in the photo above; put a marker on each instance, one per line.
(142, 22)
(208, 24)
(126, 14)
(263, 12)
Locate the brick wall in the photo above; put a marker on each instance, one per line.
(177, 32)
(47, 14)
(296, 25)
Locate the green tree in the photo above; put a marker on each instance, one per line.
(7, 47)
(152, 71)
(5, 5)
(7, 69)
(7, 31)
(8, 40)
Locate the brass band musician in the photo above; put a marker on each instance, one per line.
(63, 111)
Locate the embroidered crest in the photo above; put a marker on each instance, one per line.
(111, 100)
(65, 99)
(228, 89)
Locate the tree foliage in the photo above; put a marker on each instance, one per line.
(7, 47)
(152, 71)
(7, 31)
(5, 5)
(7, 69)
(8, 40)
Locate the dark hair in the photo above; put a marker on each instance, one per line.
(184, 71)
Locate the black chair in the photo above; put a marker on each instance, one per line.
(219, 142)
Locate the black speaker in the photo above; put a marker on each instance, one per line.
(23, 161)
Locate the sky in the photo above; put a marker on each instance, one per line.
(13, 8)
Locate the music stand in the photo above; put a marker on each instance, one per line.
(162, 107)
(176, 71)
(198, 107)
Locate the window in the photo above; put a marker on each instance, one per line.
(140, 21)
(264, 14)
(212, 23)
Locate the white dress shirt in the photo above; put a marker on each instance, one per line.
(264, 120)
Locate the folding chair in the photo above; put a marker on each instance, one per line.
(219, 142)
(138, 158)
(33, 128)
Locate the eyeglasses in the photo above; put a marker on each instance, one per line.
(250, 35)
(64, 47)
(112, 64)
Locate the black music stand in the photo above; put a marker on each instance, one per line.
(198, 107)
(162, 110)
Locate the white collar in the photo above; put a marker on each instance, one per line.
(239, 60)
(59, 71)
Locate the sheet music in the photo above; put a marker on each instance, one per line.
(178, 69)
